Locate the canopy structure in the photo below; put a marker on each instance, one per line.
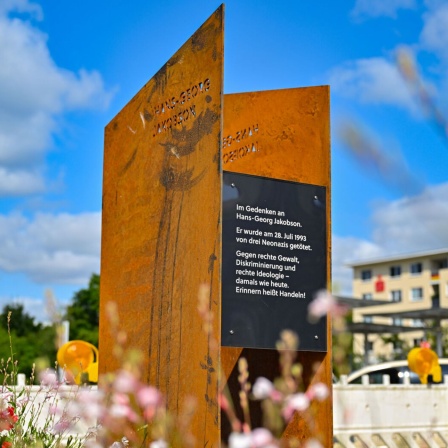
(424, 314)
(371, 328)
(435, 314)
(352, 302)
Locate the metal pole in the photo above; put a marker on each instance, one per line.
(63, 338)
(439, 348)
(366, 349)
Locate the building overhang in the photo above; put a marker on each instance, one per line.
(398, 257)
(371, 328)
(428, 313)
(352, 302)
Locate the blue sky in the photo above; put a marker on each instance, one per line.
(67, 68)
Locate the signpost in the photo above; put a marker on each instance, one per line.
(274, 261)
(240, 202)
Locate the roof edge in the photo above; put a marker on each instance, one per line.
(397, 257)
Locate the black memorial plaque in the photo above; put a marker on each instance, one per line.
(274, 261)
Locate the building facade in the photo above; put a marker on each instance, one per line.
(411, 282)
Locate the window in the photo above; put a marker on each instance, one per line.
(417, 323)
(397, 322)
(416, 268)
(367, 319)
(416, 294)
(367, 296)
(395, 271)
(395, 295)
(366, 275)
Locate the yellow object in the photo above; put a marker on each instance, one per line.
(423, 361)
(79, 357)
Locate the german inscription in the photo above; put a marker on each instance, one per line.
(183, 105)
(241, 143)
(274, 260)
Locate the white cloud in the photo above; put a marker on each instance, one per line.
(21, 6)
(346, 250)
(413, 223)
(434, 35)
(19, 182)
(375, 81)
(433, 4)
(33, 306)
(407, 225)
(51, 248)
(377, 8)
(35, 93)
